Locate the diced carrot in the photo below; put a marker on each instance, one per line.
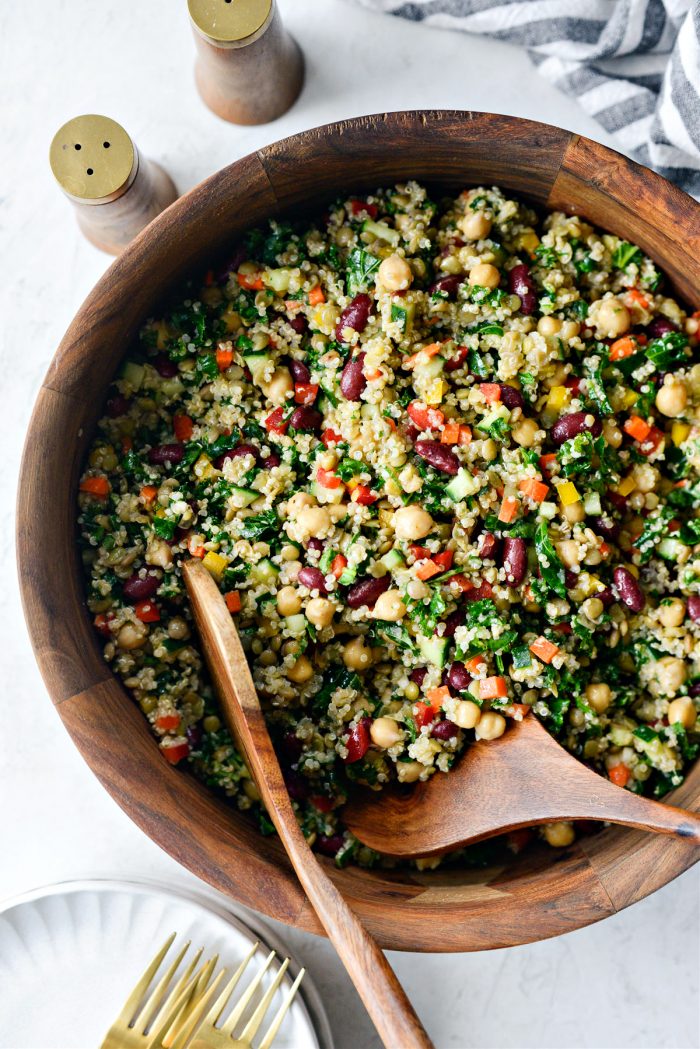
(305, 392)
(624, 347)
(327, 479)
(233, 601)
(518, 710)
(194, 546)
(182, 427)
(363, 495)
(546, 461)
(374, 375)
(450, 435)
(427, 569)
(636, 296)
(224, 358)
(316, 296)
(619, 774)
(491, 391)
(509, 509)
(474, 664)
(147, 612)
(148, 494)
(636, 427)
(424, 714)
(604, 549)
(97, 486)
(250, 281)
(534, 489)
(544, 649)
(209, 278)
(444, 559)
(127, 443)
(338, 565)
(493, 688)
(422, 355)
(465, 435)
(437, 696)
(424, 417)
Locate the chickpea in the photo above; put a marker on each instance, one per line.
(568, 550)
(314, 521)
(385, 732)
(671, 673)
(489, 450)
(593, 608)
(672, 399)
(297, 502)
(599, 696)
(301, 671)
(389, 606)
(319, 611)
(484, 275)
(132, 635)
(289, 552)
(612, 319)
(211, 723)
(611, 433)
(466, 714)
(288, 601)
(178, 629)
(408, 771)
(159, 553)
(672, 613)
(524, 432)
(475, 225)
(411, 691)
(411, 522)
(559, 835)
(356, 655)
(682, 710)
(574, 512)
(549, 325)
(490, 725)
(395, 274)
(569, 330)
(280, 385)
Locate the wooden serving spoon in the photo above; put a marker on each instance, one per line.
(375, 981)
(523, 778)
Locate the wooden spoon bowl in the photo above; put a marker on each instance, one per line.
(541, 893)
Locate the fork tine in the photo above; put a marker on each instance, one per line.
(129, 1009)
(194, 1019)
(219, 1005)
(151, 1007)
(176, 999)
(186, 1004)
(259, 1014)
(279, 1016)
(250, 990)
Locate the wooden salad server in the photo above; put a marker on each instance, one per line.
(521, 779)
(375, 981)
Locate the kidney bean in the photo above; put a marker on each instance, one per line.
(570, 579)
(573, 424)
(352, 378)
(289, 749)
(660, 326)
(299, 324)
(693, 607)
(605, 527)
(418, 675)
(511, 397)
(444, 730)
(315, 544)
(514, 560)
(166, 454)
(520, 283)
(354, 316)
(329, 845)
(606, 596)
(297, 786)
(358, 741)
(629, 590)
(366, 591)
(313, 578)
(454, 620)
(306, 418)
(300, 373)
(487, 546)
(272, 460)
(448, 285)
(164, 366)
(139, 588)
(238, 452)
(458, 677)
(194, 735)
(238, 256)
(440, 456)
(618, 501)
(694, 689)
(117, 406)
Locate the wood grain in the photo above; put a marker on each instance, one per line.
(541, 893)
(375, 981)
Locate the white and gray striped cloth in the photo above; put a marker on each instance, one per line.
(634, 65)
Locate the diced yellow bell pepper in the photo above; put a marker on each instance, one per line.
(528, 240)
(215, 564)
(568, 493)
(436, 392)
(679, 432)
(231, 318)
(626, 485)
(629, 398)
(162, 334)
(633, 570)
(558, 398)
(203, 468)
(353, 483)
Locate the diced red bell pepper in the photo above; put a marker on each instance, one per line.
(147, 612)
(330, 437)
(419, 552)
(327, 479)
(491, 391)
(358, 741)
(322, 803)
(176, 752)
(182, 427)
(423, 715)
(250, 281)
(358, 206)
(101, 623)
(458, 360)
(651, 442)
(168, 722)
(305, 392)
(483, 592)
(363, 495)
(338, 565)
(424, 417)
(444, 559)
(276, 422)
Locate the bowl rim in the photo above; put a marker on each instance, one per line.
(591, 880)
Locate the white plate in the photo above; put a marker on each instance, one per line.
(71, 953)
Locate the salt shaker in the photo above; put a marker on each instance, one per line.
(115, 190)
(249, 69)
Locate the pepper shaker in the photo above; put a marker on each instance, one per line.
(249, 69)
(115, 190)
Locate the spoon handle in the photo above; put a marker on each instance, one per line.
(375, 981)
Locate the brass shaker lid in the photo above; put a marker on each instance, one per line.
(92, 158)
(227, 21)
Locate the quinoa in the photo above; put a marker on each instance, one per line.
(442, 461)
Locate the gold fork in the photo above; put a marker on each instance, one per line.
(163, 1010)
(203, 1024)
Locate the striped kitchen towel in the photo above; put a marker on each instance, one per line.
(634, 65)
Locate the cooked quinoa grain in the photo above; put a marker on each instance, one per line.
(443, 462)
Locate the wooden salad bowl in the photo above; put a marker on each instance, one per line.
(541, 892)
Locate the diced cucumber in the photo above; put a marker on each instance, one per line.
(393, 559)
(430, 368)
(244, 496)
(327, 495)
(349, 575)
(498, 414)
(133, 374)
(264, 571)
(671, 549)
(382, 231)
(621, 735)
(257, 364)
(591, 503)
(169, 389)
(522, 657)
(403, 315)
(462, 485)
(434, 650)
(296, 624)
(327, 560)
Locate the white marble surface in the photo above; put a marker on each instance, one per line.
(631, 981)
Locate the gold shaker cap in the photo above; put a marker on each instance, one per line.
(92, 158)
(227, 21)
